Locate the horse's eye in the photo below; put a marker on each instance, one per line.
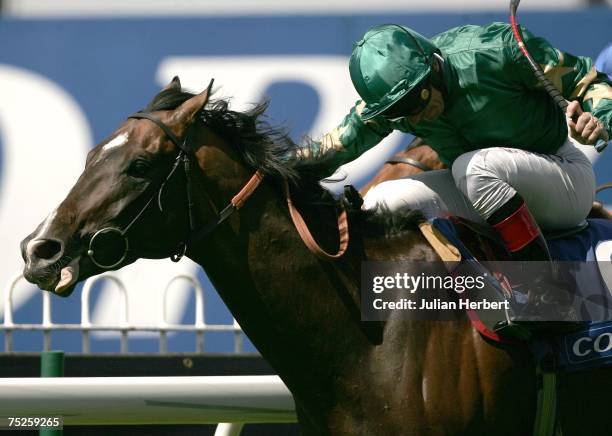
(139, 168)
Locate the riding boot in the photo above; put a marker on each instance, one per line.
(548, 298)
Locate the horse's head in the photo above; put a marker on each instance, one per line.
(128, 203)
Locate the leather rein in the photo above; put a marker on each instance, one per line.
(195, 235)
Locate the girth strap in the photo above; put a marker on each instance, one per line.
(546, 408)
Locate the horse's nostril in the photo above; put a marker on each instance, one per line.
(46, 249)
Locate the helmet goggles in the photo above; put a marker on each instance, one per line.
(414, 102)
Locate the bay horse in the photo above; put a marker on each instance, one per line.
(158, 187)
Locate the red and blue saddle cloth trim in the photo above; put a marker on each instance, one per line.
(447, 228)
(590, 347)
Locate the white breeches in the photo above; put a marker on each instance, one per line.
(558, 189)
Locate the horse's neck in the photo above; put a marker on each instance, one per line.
(295, 308)
(302, 314)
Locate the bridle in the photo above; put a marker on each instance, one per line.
(184, 157)
(194, 235)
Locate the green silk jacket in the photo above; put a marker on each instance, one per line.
(492, 99)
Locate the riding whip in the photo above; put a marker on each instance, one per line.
(548, 86)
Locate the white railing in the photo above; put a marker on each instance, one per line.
(124, 327)
(230, 401)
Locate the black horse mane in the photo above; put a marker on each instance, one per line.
(270, 149)
(260, 144)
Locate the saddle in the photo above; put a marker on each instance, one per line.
(472, 248)
(583, 255)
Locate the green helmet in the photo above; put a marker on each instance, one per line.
(387, 63)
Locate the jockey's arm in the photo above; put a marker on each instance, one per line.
(346, 142)
(574, 76)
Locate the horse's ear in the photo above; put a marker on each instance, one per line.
(186, 112)
(175, 83)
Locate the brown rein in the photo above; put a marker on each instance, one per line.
(343, 229)
(307, 237)
(247, 190)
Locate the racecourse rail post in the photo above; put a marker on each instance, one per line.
(51, 365)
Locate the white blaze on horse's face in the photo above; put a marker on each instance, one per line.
(117, 141)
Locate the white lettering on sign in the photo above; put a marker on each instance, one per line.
(607, 343)
(585, 346)
(45, 138)
(577, 350)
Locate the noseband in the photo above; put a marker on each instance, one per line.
(193, 236)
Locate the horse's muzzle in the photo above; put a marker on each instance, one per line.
(47, 266)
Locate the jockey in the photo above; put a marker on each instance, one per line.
(514, 157)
